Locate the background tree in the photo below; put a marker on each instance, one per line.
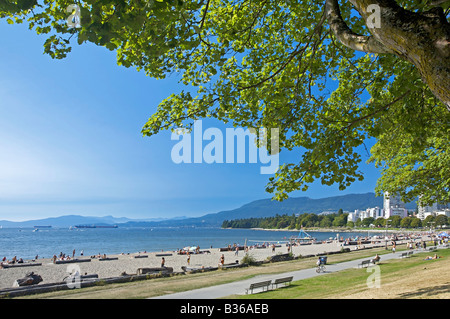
(416, 222)
(441, 220)
(380, 222)
(394, 221)
(366, 222)
(405, 222)
(292, 65)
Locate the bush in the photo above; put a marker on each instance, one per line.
(248, 259)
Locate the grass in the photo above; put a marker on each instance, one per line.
(351, 281)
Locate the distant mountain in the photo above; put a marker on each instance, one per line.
(258, 208)
(294, 205)
(71, 220)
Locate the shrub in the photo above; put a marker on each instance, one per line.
(248, 259)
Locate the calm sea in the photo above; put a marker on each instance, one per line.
(26, 244)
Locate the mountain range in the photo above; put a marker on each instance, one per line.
(258, 208)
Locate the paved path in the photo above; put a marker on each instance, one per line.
(239, 287)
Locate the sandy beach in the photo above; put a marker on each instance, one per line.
(129, 264)
(52, 273)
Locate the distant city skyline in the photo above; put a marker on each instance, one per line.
(71, 142)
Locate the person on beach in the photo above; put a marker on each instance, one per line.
(222, 260)
(163, 262)
(189, 259)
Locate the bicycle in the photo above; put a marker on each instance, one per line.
(320, 268)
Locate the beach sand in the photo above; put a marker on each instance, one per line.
(53, 273)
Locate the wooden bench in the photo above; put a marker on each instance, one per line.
(286, 281)
(364, 263)
(406, 254)
(261, 284)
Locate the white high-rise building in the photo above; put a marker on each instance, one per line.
(375, 212)
(393, 205)
(353, 217)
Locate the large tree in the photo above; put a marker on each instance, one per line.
(329, 75)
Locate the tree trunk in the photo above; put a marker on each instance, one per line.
(420, 38)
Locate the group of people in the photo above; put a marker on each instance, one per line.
(63, 256)
(15, 260)
(12, 261)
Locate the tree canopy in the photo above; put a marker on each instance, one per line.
(329, 75)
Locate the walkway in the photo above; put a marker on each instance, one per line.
(239, 287)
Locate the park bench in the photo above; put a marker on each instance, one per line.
(261, 284)
(406, 254)
(285, 280)
(364, 263)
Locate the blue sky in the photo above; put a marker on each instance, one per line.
(71, 142)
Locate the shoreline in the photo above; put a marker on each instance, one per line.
(334, 230)
(118, 264)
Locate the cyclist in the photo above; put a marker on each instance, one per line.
(320, 265)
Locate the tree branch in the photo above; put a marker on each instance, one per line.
(346, 36)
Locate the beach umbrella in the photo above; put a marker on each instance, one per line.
(443, 234)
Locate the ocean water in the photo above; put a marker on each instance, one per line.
(26, 244)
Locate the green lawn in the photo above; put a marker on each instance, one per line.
(350, 281)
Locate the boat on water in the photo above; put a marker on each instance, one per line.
(95, 226)
(37, 228)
